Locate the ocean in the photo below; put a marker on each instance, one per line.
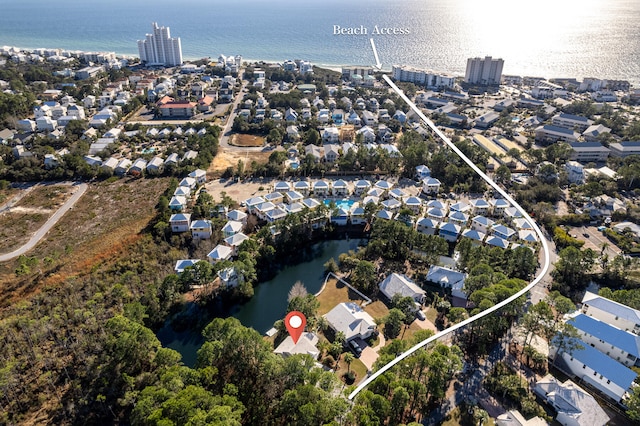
(547, 38)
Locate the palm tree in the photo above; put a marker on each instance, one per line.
(348, 358)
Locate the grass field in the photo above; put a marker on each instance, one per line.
(104, 222)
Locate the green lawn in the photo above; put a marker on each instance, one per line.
(336, 292)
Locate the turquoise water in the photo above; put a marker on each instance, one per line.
(148, 150)
(344, 204)
(581, 38)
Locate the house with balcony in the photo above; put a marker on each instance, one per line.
(450, 231)
(180, 222)
(480, 206)
(231, 228)
(430, 186)
(427, 226)
(482, 224)
(616, 343)
(201, 229)
(498, 205)
(503, 232)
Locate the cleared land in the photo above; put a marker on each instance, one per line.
(108, 218)
(229, 158)
(239, 139)
(29, 214)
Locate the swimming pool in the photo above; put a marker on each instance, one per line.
(345, 203)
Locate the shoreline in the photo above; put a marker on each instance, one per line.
(633, 80)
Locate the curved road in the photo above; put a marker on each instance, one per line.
(541, 273)
(40, 233)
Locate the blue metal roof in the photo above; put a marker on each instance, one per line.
(614, 308)
(626, 341)
(602, 364)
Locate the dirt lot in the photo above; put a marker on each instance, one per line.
(29, 214)
(226, 159)
(107, 219)
(246, 140)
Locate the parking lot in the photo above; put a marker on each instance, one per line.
(595, 240)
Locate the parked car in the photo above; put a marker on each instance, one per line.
(421, 315)
(355, 348)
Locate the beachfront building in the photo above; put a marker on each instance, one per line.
(159, 48)
(485, 71)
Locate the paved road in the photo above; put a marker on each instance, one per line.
(40, 233)
(226, 133)
(12, 202)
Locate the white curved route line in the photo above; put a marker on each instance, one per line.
(492, 309)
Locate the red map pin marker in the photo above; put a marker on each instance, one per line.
(295, 322)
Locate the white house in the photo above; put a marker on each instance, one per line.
(201, 229)
(321, 188)
(350, 319)
(361, 187)
(422, 172)
(231, 228)
(155, 166)
(594, 368)
(220, 253)
(618, 344)
(180, 222)
(182, 264)
(234, 241)
(498, 205)
(237, 216)
(400, 284)
(178, 203)
(199, 175)
(123, 167)
(447, 278)
(575, 407)
(575, 172)
(340, 188)
(610, 312)
(482, 224)
(188, 182)
(306, 345)
(430, 185)
(503, 232)
(480, 206)
(427, 226)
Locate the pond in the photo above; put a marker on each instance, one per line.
(269, 301)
